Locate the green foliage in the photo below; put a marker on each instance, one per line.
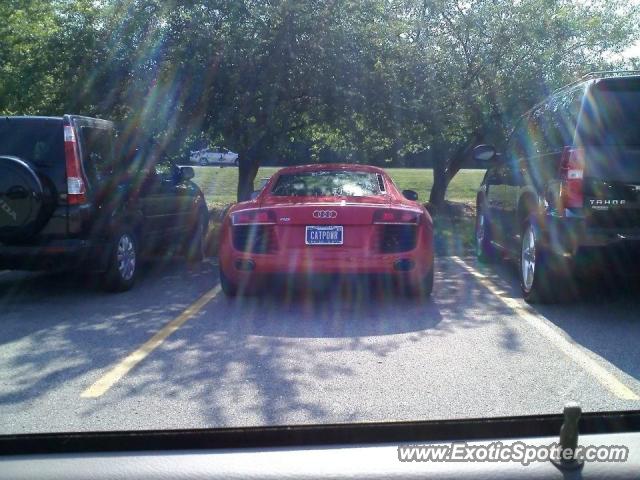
(389, 82)
(26, 82)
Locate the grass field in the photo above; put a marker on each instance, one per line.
(219, 184)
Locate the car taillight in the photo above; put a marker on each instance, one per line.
(254, 231)
(395, 217)
(76, 187)
(255, 238)
(395, 238)
(254, 217)
(571, 177)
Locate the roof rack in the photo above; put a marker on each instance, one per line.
(584, 78)
(594, 75)
(609, 73)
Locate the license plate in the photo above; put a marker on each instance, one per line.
(324, 235)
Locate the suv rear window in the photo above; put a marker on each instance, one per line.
(327, 184)
(611, 115)
(40, 142)
(97, 152)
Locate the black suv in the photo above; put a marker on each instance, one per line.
(565, 195)
(73, 194)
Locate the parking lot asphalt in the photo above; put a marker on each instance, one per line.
(175, 353)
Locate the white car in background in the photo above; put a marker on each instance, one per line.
(214, 156)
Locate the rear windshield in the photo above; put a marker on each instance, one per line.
(611, 116)
(38, 142)
(327, 184)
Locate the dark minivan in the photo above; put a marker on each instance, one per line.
(565, 195)
(74, 195)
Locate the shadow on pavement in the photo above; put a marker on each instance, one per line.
(260, 356)
(604, 317)
(58, 327)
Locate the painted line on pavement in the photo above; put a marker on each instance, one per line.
(124, 366)
(551, 332)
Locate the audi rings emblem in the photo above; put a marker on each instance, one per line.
(325, 214)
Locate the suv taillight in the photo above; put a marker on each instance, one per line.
(76, 186)
(571, 177)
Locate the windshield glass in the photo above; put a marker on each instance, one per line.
(39, 142)
(327, 184)
(249, 213)
(611, 117)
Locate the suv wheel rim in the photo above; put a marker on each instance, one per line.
(126, 256)
(480, 233)
(528, 258)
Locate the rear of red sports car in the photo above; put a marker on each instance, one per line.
(320, 220)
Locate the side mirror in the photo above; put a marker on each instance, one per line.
(484, 153)
(255, 194)
(410, 195)
(187, 173)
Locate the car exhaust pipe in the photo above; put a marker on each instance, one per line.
(245, 265)
(403, 265)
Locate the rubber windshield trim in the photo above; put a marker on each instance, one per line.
(315, 435)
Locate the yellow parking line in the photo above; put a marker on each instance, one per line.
(123, 367)
(551, 332)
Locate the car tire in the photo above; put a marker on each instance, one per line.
(485, 251)
(196, 242)
(122, 266)
(426, 286)
(236, 162)
(203, 162)
(229, 288)
(544, 276)
(418, 289)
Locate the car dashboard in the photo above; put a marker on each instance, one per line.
(362, 451)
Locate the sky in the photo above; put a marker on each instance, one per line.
(633, 51)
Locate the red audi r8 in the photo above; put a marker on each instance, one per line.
(327, 219)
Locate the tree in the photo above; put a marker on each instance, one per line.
(25, 59)
(369, 81)
(502, 57)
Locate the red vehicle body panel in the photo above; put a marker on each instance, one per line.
(361, 251)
